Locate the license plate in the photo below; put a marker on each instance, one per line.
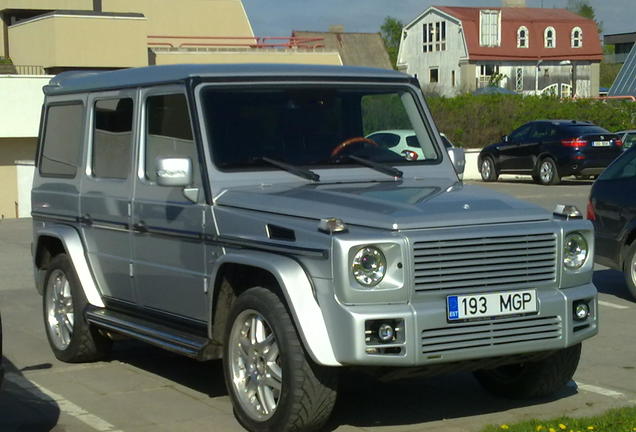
(601, 143)
(467, 307)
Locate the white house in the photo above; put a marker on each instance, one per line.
(453, 50)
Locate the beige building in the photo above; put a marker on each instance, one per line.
(39, 38)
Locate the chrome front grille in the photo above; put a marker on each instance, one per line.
(489, 333)
(485, 262)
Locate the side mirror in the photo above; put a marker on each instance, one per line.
(458, 158)
(505, 138)
(174, 172)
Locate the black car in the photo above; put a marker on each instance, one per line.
(549, 150)
(612, 210)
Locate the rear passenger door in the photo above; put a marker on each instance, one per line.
(106, 192)
(509, 152)
(168, 247)
(541, 135)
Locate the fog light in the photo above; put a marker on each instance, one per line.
(386, 332)
(581, 311)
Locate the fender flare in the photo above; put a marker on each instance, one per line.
(74, 247)
(298, 291)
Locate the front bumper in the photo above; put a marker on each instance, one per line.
(428, 338)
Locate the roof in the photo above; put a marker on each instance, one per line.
(619, 38)
(625, 82)
(536, 20)
(82, 81)
(356, 49)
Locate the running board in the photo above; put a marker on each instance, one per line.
(165, 337)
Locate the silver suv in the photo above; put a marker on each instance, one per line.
(241, 212)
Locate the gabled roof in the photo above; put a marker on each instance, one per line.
(535, 20)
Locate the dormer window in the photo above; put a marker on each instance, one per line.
(577, 37)
(549, 37)
(522, 37)
(489, 26)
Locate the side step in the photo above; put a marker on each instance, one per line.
(165, 337)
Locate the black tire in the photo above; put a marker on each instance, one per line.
(488, 170)
(629, 269)
(551, 174)
(308, 391)
(86, 344)
(532, 379)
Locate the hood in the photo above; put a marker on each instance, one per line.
(393, 205)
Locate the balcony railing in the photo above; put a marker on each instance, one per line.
(235, 42)
(11, 69)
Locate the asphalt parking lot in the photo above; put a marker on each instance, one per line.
(140, 388)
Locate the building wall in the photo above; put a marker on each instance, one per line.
(247, 56)
(21, 99)
(188, 17)
(12, 150)
(414, 61)
(80, 41)
(468, 74)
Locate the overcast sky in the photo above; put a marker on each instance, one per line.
(280, 17)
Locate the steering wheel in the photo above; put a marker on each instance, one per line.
(343, 145)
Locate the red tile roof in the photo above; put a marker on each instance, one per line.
(536, 20)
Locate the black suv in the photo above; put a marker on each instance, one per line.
(549, 150)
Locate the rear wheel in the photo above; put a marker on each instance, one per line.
(488, 170)
(548, 173)
(273, 384)
(629, 269)
(71, 338)
(532, 379)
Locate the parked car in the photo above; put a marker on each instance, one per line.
(549, 150)
(404, 142)
(628, 137)
(232, 212)
(612, 210)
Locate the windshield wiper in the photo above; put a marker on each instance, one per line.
(389, 170)
(300, 172)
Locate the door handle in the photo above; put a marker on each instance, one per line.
(140, 227)
(86, 219)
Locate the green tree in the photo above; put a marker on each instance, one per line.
(583, 8)
(391, 32)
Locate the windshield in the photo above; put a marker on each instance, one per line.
(317, 127)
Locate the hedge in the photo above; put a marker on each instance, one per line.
(475, 121)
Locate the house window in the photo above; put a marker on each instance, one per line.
(519, 80)
(433, 75)
(550, 37)
(434, 36)
(489, 28)
(486, 74)
(522, 37)
(577, 37)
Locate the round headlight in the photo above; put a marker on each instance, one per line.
(575, 251)
(369, 266)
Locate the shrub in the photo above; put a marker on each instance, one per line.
(476, 121)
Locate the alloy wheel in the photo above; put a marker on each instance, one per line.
(257, 376)
(546, 172)
(486, 169)
(59, 309)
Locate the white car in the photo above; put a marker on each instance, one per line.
(404, 142)
(628, 137)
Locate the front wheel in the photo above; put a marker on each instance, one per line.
(532, 379)
(273, 384)
(71, 338)
(629, 269)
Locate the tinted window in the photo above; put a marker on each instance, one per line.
(520, 134)
(579, 130)
(542, 131)
(412, 141)
(112, 138)
(623, 167)
(385, 140)
(62, 141)
(168, 131)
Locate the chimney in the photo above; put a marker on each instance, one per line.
(337, 28)
(513, 3)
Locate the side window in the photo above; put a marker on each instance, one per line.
(624, 167)
(520, 134)
(385, 139)
(168, 132)
(112, 138)
(542, 132)
(62, 140)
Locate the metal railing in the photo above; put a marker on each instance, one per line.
(29, 70)
(234, 42)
